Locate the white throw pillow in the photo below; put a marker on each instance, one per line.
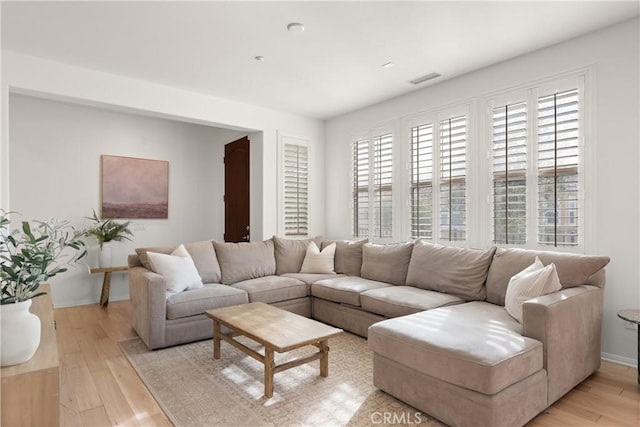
(319, 262)
(533, 281)
(177, 269)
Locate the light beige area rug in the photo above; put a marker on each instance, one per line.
(195, 390)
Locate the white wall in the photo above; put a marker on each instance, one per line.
(613, 53)
(46, 79)
(55, 172)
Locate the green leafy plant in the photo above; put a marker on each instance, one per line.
(107, 230)
(34, 253)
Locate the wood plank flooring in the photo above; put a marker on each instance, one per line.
(99, 387)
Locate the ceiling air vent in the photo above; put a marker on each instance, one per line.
(424, 78)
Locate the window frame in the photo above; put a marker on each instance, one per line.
(530, 93)
(285, 139)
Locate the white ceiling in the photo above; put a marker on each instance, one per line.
(333, 67)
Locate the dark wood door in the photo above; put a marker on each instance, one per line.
(236, 191)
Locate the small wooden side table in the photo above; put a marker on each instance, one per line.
(633, 316)
(106, 282)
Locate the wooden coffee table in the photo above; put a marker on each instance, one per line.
(275, 329)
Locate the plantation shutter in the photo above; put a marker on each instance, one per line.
(382, 185)
(509, 138)
(558, 159)
(360, 193)
(453, 170)
(422, 182)
(296, 190)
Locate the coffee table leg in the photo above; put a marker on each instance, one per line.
(216, 340)
(269, 366)
(324, 360)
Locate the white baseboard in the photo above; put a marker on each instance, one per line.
(619, 359)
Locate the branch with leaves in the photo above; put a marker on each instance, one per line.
(107, 230)
(33, 254)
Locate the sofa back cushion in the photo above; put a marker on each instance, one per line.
(243, 261)
(205, 259)
(386, 263)
(348, 257)
(573, 269)
(457, 271)
(290, 254)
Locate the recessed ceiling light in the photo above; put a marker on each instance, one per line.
(388, 65)
(259, 58)
(295, 27)
(424, 78)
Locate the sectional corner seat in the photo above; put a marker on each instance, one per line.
(434, 316)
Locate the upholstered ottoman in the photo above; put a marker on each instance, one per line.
(465, 364)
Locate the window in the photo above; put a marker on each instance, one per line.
(360, 193)
(296, 190)
(536, 145)
(382, 185)
(372, 194)
(558, 159)
(422, 182)
(509, 138)
(453, 186)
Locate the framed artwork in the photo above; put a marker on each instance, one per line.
(134, 188)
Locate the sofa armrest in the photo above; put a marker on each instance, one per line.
(148, 306)
(568, 323)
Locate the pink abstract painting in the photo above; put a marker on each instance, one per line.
(134, 188)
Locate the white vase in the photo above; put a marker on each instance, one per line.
(104, 256)
(20, 333)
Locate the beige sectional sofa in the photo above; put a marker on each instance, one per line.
(434, 316)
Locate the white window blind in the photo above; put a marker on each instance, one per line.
(558, 160)
(453, 170)
(509, 137)
(422, 182)
(360, 168)
(382, 185)
(296, 190)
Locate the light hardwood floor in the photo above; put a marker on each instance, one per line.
(99, 387)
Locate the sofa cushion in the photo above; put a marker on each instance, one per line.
(144, 258)
(344, 289)
(316, 261)
(534, 281)
(204, 257)
(272, 289)
(394, 301)
(289, 254)
(244, 261)
(478, 347)
(457, 271)
(197, 301)
(348, 257)
(386, 263)
(177, 269)
(309, 278)
(573, 269)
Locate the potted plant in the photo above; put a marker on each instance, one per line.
(107, 230)
(29, 256)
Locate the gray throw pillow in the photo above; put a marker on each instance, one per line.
(290, 254)
(204, 257)
(386, 263)
(456, 271)
(243, 261)
(348, 258)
